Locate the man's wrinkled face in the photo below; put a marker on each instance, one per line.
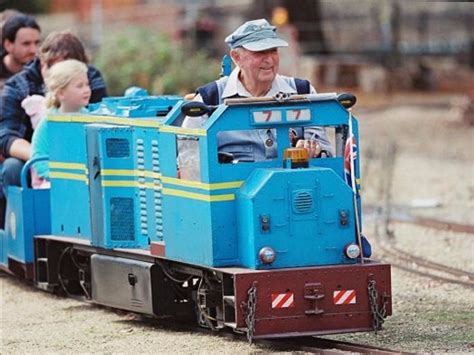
(258, 66)
(25, 46)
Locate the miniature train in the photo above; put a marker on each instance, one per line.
(147, 216)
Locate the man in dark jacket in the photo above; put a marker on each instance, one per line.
(15, 126)
(20, 41)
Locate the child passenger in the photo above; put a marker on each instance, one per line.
(68, 91)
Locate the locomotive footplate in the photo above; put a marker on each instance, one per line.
(312, 301)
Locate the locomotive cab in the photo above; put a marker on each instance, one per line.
(232, 205)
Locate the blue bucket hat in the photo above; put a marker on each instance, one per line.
(255, 35)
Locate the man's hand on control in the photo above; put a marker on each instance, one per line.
(311, 145)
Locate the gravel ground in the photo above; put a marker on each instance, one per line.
(33, 321)
(433, 162)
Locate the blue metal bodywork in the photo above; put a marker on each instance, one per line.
(125, 186)
(304, 209)
(212, 215)
(105, 170)
(28, 214)
(126, 174)
(70, 201)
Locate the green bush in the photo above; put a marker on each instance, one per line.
(139, 57)
(187, 73)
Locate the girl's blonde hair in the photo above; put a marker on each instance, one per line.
(59, 76)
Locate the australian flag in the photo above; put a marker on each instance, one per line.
(350, 148)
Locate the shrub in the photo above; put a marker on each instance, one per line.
(139, 57)
(187, 73)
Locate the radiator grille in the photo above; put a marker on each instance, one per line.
(303, 201)
(122, 218)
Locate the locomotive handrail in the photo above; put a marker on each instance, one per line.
(198, 108)
(281, 98)
(347, 100)
(26, 169)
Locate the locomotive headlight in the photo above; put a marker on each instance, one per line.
(352, 251)
(267, 255)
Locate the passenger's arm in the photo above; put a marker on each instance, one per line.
(12, 126)
(20, 149)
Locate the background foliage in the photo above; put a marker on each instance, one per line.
(27, 6)
(140, 57)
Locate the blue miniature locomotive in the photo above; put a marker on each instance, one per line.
(236, 213)
(139, 203)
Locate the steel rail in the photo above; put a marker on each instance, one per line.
(400, 258)
(319, 345)
(433, 265)
(438, 224)
(432, 276)
(402, 215)
(311, 344)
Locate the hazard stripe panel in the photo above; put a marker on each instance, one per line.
(283, 300)
(342, 297)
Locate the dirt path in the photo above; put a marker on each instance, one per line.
(33, 321)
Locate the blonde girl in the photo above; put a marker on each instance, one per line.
(68, 91)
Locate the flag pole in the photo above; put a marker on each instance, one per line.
(354, 191)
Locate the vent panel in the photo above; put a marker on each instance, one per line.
(303, 201)
(117, 148)
(122, 214)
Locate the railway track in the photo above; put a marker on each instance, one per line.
(310, 344)
(438, 224)
(386, 213)
(402, 215)
(318, 345)
(424, 267)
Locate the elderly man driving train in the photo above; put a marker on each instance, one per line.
(254, 51)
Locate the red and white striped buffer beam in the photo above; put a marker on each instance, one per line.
(283, 300)
(342, 297)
